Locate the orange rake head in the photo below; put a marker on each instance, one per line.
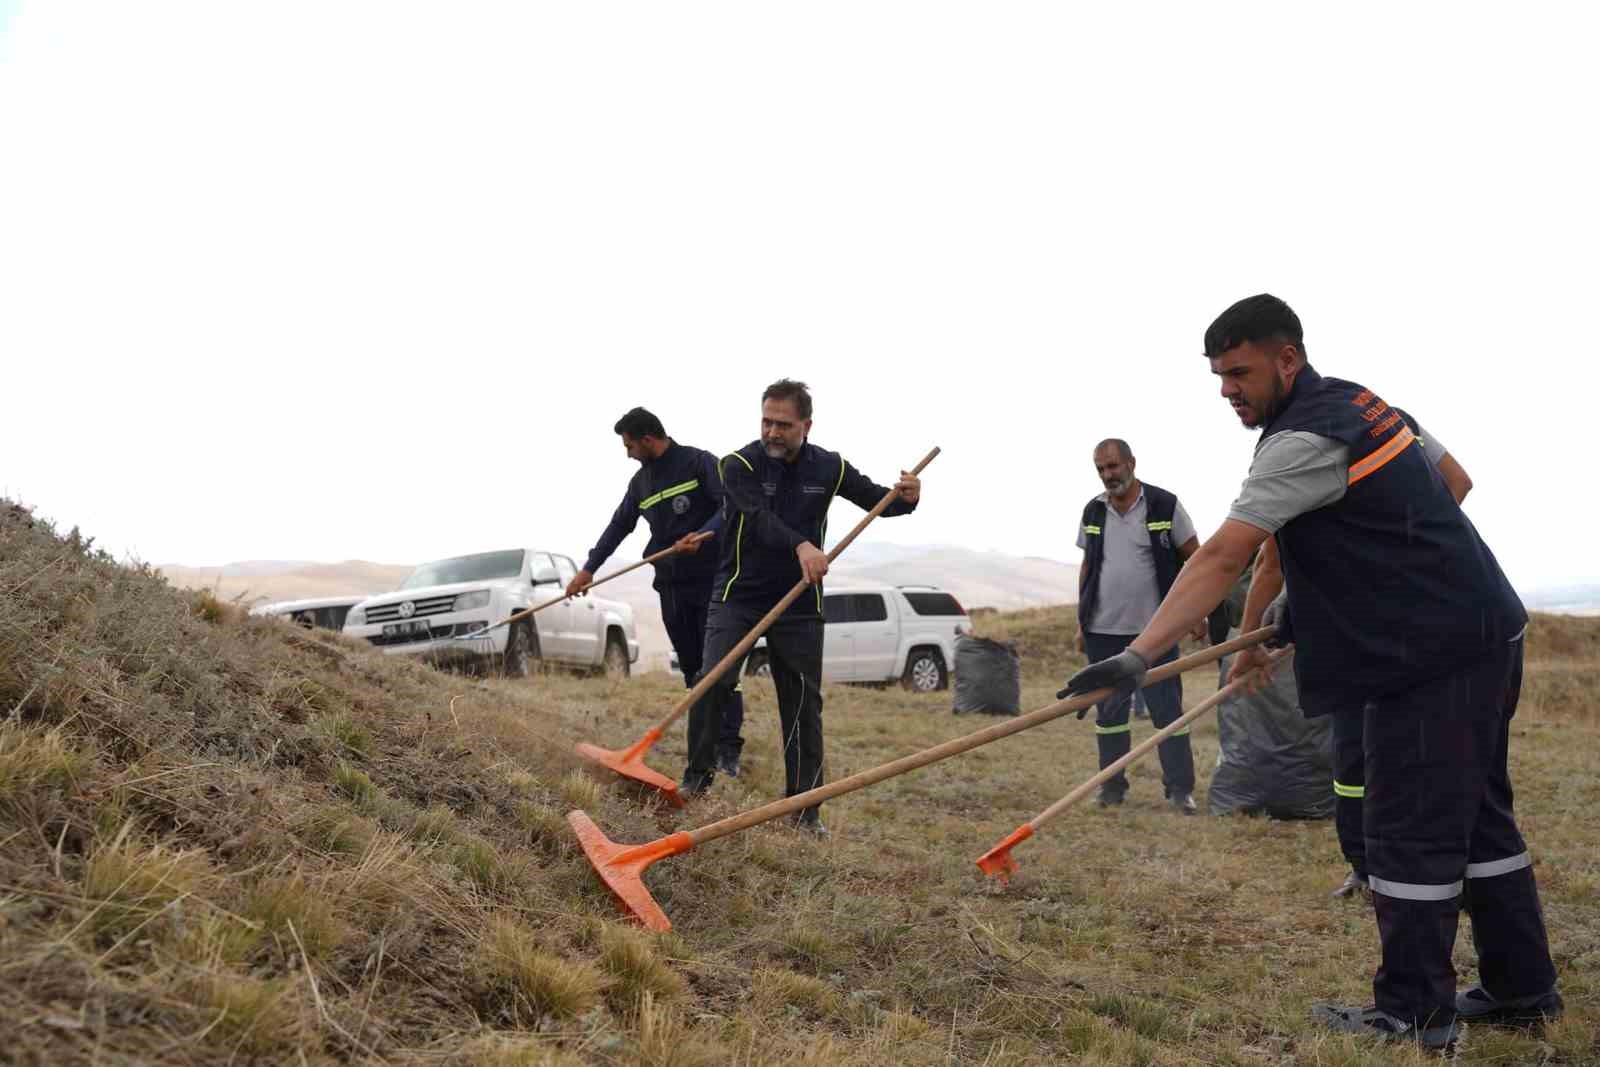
(997, 862)
(629, 763)
(620, 866)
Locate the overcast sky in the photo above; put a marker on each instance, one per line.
(348, 280)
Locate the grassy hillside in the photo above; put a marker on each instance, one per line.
(226, 840)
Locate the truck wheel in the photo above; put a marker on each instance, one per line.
(615, 664)
(522, 648)
(925, 672)
(757, 665)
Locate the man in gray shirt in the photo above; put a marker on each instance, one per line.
(1134, 538)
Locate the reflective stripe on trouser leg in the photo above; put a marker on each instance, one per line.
(1416, 890)
(1495, 868)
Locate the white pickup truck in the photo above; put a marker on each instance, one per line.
(885, 633)
(442, 602)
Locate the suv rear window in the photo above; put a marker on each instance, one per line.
(934, 604)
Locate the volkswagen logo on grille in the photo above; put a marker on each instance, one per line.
(407, 609)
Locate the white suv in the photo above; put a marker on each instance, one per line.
(449, 599)
(885, 633)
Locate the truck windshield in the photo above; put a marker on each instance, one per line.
(478, 568)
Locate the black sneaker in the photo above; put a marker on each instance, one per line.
(693, 784)
(1379, 1024)
(1182, 803)
(1477, 1006)
(1109, 799)
(728, 763)
(1355, 884)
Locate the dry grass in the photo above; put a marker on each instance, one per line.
(225, 840)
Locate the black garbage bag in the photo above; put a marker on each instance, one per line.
(1271, 759)
(988, 677)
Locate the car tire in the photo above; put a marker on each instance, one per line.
(614, 664)
(522, 649)
(758, 665)
(925, 671)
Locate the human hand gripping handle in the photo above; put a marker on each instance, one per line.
(1123, 673)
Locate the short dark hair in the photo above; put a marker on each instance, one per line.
(639, 423)
(789, 389)
(1123, 451)
(1254, 319)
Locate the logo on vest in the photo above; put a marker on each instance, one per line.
(680, 504)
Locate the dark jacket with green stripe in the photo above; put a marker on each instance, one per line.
(678, 493)
(770, 508)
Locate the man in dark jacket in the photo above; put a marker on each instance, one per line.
(679, 494)
(775, 520)
(1395, 605)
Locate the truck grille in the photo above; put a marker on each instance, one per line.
(433, 605)
(460, 629)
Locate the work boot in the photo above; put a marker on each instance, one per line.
(1355, 884)
(1182, 803)
(1379, 1024)
(694, 785)
(1477, 1006)
(1109, 798)
(728, 763)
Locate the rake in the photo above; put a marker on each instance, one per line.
(525, 612)
(629, 762)
(620, 866)
(998, 861)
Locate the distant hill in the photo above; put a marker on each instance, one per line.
(977, 579)
(1565, 599)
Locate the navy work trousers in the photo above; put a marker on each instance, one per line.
(1114, 734)
(794, 654)
(1439, 823)
(683, 611)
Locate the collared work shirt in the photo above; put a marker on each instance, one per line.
(1128, 592)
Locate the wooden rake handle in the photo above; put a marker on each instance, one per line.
(525, 612)
(779, 808)
(1143, 747)
(709, 678)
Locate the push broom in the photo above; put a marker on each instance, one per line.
(525, 612)
(629, 763)
(620, 865)
(998, 862)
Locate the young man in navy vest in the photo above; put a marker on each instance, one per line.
(1349, 755)
(1397, 606)
(775, 519)
(678, 492)
(1134, 536)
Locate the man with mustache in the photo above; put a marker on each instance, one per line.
(777, 490)
(1134, 536)
(1395, 605)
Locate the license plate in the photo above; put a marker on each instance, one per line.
(410, 628)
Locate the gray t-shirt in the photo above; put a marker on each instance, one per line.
(1128, 594)
(1295, 472)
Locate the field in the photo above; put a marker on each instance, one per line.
(225, 840)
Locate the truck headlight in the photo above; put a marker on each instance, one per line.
(468, 601)
(357, 617)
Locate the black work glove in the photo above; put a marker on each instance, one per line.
(1123, 672)
(1277, 614)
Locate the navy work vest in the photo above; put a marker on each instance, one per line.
(1391, 586)
(1160, 506)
